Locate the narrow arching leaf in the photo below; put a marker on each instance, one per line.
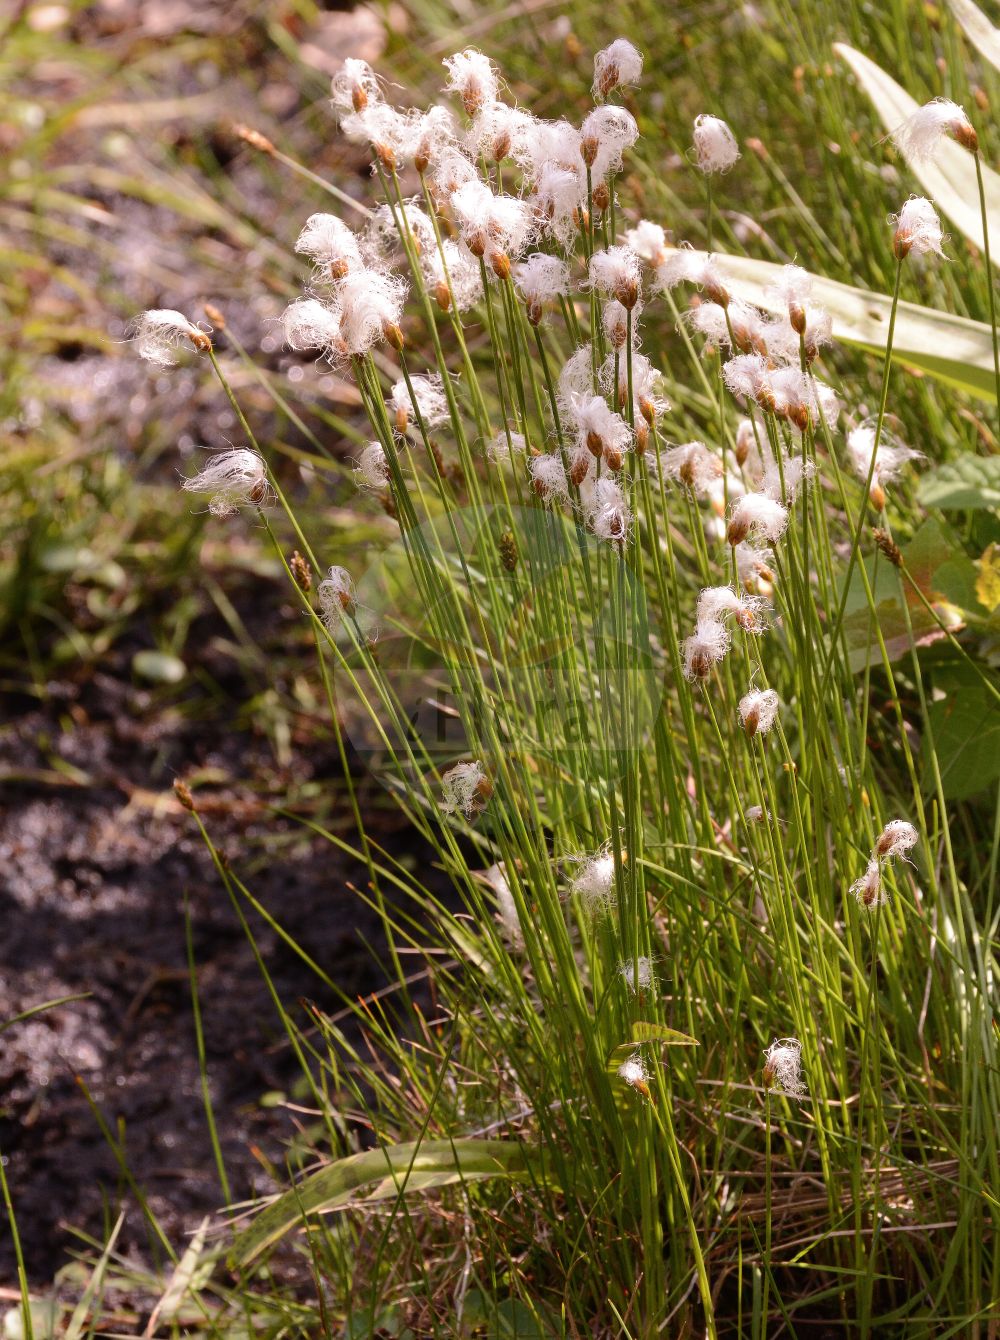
(950, 348)
(950, 179)
(670, 1037)
(978, 29)
(382, 1174)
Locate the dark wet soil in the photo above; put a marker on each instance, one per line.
(97, 859)
(93, 883)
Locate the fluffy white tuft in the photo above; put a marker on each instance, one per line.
(715, 144)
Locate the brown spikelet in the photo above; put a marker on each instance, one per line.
(888, 546)
(183, 793)
(508, 550)
(214, 315)
(254, 138)
(301, 571)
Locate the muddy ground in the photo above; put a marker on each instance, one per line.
(96, 857)
(93, 881)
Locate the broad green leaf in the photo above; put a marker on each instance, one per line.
(937, 562)
(367, 1323)
(988, 580)
(950, 178)
(966, 483)
(384, 1173)
(950, 348)
(966, 732)
(505, 1318)
(978, 29)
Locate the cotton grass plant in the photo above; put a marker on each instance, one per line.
(684, 1070)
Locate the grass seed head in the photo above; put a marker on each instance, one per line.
(616, 65)
(158, 333)
(783, 1067)
(715, 145)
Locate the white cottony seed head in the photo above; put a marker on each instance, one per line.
(750, 612)
(466, 789)
(559, 193)
(616, 273)
(452, 275)
(450, 169)
(433, 133)
(753, 565)
(648, 403)
(371, 307)
(755, 514)
(595, 884)
(308, 323)
(497, 132)
(759, 711)
(598, 428)
(920, 134)
(329, 242)
(158, 333)
(889, 458)
(540, 280)
(693, 465)
(510, 922)
(615, 320)
(491, 224)
(706, 646)
(608, 511)
(381, 243)
(232, 479)
(372, 470)
(648, 241)
(604, 136)
(355, 86)
(336, 597)
(637, 973)
(783, 1067)
(749, 376)
(548, 477)
(868, 888)
(474, 78)
(618, 64)
(896, 839)
(503, 446)
(714, 144)
(428, 399)
(918, 229)
(634, 1073)
(783, 483)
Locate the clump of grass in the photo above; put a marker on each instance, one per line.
(673, 1073)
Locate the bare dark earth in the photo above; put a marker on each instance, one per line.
(93, 879)
(96, 856)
